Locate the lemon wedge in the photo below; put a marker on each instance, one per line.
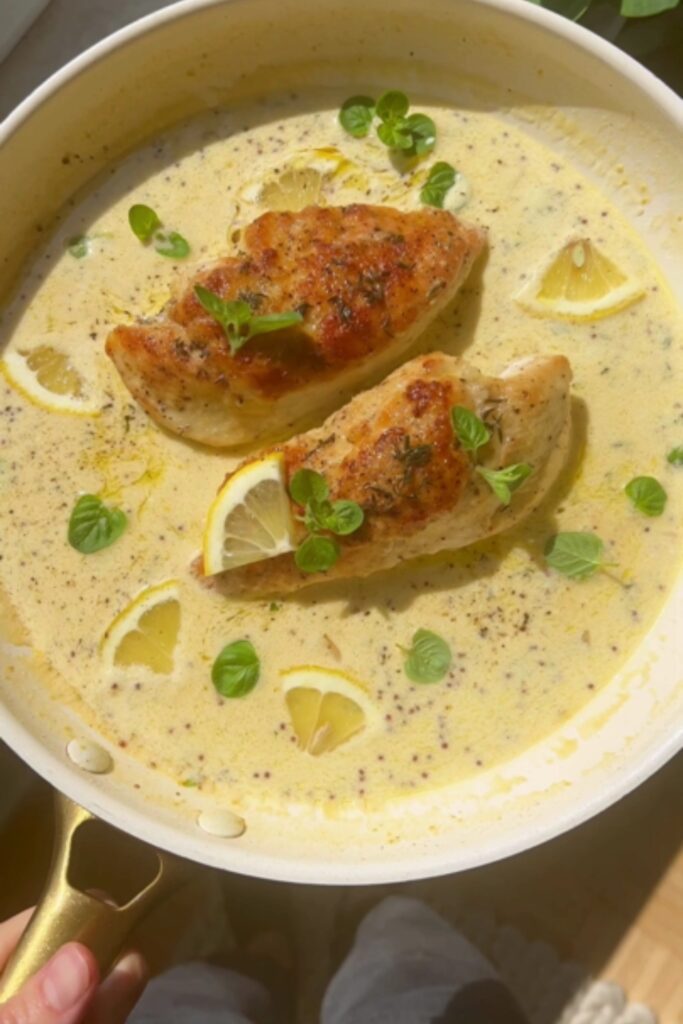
(145, 633)
(299, 183)
(46, 376)
(327, 707)
(251, 517)
(579, 283)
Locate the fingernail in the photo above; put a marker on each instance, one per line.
(67, 979)
(133, 966)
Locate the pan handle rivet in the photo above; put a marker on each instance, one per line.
(221, 823)
(89, 756)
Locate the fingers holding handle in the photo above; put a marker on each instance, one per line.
(59, 993)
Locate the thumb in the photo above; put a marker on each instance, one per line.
(59, 993)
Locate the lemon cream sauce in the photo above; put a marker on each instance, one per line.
(529, 646)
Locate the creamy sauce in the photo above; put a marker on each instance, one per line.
(530, 647)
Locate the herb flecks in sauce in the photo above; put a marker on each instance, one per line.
(675, 456)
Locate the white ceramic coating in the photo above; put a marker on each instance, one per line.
(618, 122)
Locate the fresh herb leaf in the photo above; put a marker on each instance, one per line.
(576, 555)
(413, 134)
(310, 490)
(238, 321)
(307, 486)
(504, 482)
(78, 246)
(647, 494)
(317, 554)
(429, 658)
(394, 134)
(645, 8)
(345, 517)
(471, 432)
(94, 525)
(236, 670)
(440, 180)
(171, 244)
(392, 105)
(422, 132)
(143, 221)
(356, 115)
(675, 456)
(273, 322)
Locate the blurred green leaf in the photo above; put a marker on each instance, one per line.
(646, 8)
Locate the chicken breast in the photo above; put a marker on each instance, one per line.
(393, 450)
(367, 281)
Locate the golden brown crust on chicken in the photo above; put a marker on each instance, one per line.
(392, 449)
(367, 280)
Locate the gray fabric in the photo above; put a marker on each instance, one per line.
(202, 994)
(407, 966)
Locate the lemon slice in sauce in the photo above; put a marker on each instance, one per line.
(47, 377)
(579, 283)
(327, 707)
(145, 633)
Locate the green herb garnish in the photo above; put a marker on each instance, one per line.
(78, 246)
(310, 490)
(356, 116)
(428, 659)
(504, 482)
(236, 670)
(675, 456)
(94, 525)
(576, 555)
(146, 225)
(238, 320)
(317, 554)
(647, 495)
(143, 221)
(440, 181)
(412, 134)
(471, 432)
(172, 245)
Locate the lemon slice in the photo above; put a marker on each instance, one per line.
(251, 517)
(327, 707)
(46, 376)
(145, 633)
(299, 183)
(579, 283)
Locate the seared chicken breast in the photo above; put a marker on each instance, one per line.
(367, 281)
(393, 450)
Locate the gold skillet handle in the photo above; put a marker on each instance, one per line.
(66, 914)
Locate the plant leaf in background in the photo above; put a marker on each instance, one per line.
(629, 8)
(646, 8)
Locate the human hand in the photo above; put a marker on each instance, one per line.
(67, 989)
